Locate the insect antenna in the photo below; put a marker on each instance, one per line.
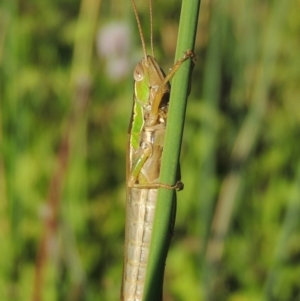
(151, 27)
(140, 29)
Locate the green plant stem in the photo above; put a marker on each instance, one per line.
(166, 202)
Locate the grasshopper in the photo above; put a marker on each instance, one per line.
(145, 146)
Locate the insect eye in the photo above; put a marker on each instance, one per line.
(138, 73)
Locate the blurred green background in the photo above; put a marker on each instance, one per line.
(65, 103)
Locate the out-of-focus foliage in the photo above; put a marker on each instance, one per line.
(65, 101)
